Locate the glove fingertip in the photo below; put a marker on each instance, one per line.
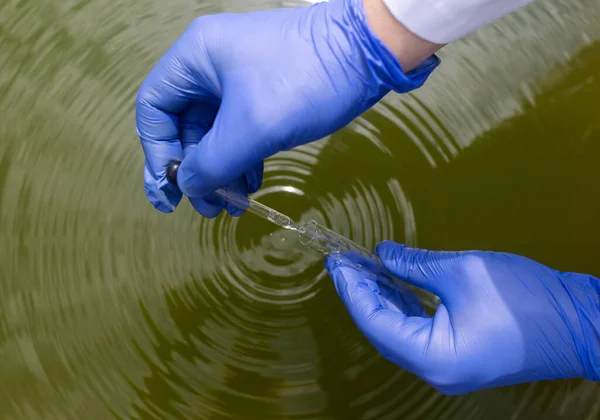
(332, 267)
(207, 208)
(164, 196)
(331, 264)
(389, 252)
(233, 210)
(384, 247)
(189, 183)
(254, 178)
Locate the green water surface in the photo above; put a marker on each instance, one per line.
(110, 309)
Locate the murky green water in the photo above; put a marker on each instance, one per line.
(109, 309)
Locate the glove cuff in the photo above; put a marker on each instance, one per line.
(585, 293)
(381, 62)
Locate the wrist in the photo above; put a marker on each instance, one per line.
(408, 48)
(584, 291)
(378, 62)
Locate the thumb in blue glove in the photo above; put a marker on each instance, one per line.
(503, 319)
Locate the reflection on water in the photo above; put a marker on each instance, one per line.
(110, 309)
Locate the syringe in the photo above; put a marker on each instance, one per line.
(310, 234)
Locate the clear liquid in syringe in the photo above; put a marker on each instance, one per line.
(282, 220)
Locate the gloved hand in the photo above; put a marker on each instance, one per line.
(238, 88)
(503, 319)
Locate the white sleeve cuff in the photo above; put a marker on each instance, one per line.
(445, 21)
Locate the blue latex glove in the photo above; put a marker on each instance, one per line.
(238, 88)
(503, 319)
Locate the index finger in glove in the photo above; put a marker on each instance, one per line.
(166, 92)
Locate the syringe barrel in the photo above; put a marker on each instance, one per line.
(319, 238)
